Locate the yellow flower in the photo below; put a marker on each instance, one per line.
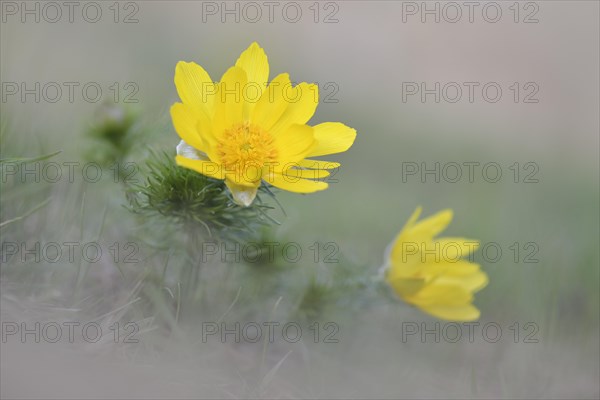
(431, 273)
(245, 129)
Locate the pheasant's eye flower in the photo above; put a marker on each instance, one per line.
(245, 129)
(430, 273)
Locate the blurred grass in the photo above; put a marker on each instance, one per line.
(361, 213)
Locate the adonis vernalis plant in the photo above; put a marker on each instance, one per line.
(431, 273)
(243, 134)
(246, 130)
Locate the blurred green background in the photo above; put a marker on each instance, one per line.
(367, 55)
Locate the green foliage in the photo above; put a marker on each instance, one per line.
(316, 295)
(113, 134)
(194, 200)
(332, 289)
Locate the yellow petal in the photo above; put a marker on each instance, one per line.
(442, 294)
(229, 105)
(293, 145)
(271, 104)
(409, 267)
(398, 245)
(465, 312)
(296, 185)
(318, 164)
(421, 233)
(190, 126)
(454, 248)
(406, 286)
(459, 268)
(332, 137)
(473, 282)
(242, 195)
(194, 86)
(433, 225)
(413, 217)
(208, 168)
(302, 101)
(305, 173)
(247, 177)
(254, 61)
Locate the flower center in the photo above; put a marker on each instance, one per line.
(244, 150)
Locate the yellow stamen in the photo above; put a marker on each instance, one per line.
(245, 150)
